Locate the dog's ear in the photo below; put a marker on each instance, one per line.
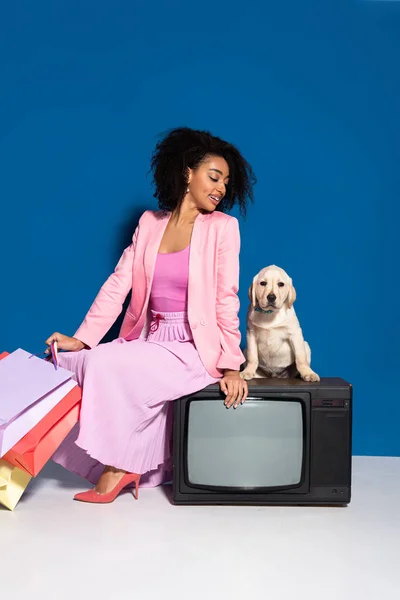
(291, 295)
(252, 291)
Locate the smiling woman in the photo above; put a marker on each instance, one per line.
(213, 171)
(177, 336)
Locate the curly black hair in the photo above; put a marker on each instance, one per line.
(183, 148)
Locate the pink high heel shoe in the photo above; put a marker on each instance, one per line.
(97, 498)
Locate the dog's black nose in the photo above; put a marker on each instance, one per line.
(271, 297)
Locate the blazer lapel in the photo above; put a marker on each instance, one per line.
(197, 242)
(150, 255)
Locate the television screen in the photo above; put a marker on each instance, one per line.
(258, 445)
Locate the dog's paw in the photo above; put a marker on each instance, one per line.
(309, 375)
(247, 374)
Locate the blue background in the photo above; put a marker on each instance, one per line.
(310, 94)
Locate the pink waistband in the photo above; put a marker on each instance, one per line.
(169, 327)
(169, 317)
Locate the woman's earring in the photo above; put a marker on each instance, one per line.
(187, 191)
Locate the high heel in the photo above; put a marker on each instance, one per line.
(97, 498)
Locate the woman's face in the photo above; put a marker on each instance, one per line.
(207, 184)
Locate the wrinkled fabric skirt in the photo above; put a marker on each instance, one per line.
(127, 393)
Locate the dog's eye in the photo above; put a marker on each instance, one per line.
(263, 283)
(281, 284)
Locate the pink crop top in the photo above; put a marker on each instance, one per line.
(169, 291)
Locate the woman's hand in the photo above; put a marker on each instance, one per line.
(234, 387)
(64, 342)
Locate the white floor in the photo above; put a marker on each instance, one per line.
(52, 547)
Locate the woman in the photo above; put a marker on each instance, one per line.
(181, 329)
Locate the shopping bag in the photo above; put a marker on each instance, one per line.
(30, 388)
(13, 483)
(33, 451)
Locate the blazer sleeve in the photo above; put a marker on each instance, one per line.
(227, 306)
(108, 303)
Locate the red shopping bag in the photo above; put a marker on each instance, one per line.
(32, 451)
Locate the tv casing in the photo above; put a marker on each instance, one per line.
(327, 450)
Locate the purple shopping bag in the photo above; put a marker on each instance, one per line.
(29, 388)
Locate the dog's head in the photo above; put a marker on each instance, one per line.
(271, 289)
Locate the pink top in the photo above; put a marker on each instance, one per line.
(169, 291)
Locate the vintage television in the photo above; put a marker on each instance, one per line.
(289, 443)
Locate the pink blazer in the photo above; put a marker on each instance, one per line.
(213, 304)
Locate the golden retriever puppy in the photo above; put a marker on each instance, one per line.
(275, 343)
